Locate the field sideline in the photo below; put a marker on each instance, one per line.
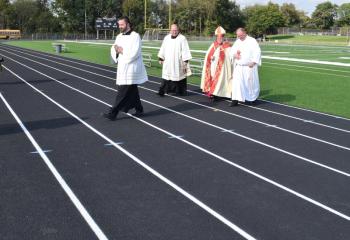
(313, 86)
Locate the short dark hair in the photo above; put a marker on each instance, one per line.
(126, 19)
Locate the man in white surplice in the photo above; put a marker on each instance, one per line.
(246, 54)
(174, 55)
(131, 72)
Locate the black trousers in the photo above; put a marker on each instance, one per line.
(127, 98)
(177, 87)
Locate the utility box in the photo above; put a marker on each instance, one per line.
(58, 48)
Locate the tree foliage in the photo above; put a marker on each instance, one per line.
(324, 15)
(263, 20)
(344, 15)
(194, 16)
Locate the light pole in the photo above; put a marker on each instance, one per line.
(170, 14)
(85, 25)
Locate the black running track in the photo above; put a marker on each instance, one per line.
(187, 169)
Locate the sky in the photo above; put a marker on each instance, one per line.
(307, 6)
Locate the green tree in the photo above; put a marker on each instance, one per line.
(263, 20)
(228, 15)
(4, 12)
(344, 15)
(324, 15)
(305, 21)
(134, 9)
(291, 15)
(157, 14)
(23, 15)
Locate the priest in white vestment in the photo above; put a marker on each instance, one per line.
(126, 51)
(174, 55)
(246, 54)
(217, 71)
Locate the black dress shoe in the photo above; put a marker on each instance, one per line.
(138, 113)
(250, 103)
(161, 94)
(233, 103)
(110, 116)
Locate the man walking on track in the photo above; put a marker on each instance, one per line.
(174, 55)
(217, 71)
(247, 56)
(131, 71)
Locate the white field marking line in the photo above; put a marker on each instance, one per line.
(344, 57)
(153, 171)
(267, 57)
(290, 106)
(299, 66)
(164, 179)
(277, 113)
(84, 213)
(307, 61)
(276, 103)
(199, 104)
(193, 118)
(300, 70)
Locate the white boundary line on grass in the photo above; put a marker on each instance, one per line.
(100, 68)
(281, 114)
(184, 115)
(148, 168)
(82, 210)
(267, 57)
(212, 212)
(199, 104)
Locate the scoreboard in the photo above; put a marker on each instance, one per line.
(106, 24)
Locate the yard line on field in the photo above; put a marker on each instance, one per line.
(299, 70)
(267, 57)
(74, 199)
(303, 66)
(190, 117)
(158, 175)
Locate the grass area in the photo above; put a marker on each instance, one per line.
(310, 39)
(323, 88)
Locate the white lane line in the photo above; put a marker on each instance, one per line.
(190, 117)
(199, 104)
(37, 152)
(177, 137)
(276, 103)
(110, 144)
(288, 106)
(278, 185)
(84, 213)
(277, 113)
(227, 130)
(144, 165)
